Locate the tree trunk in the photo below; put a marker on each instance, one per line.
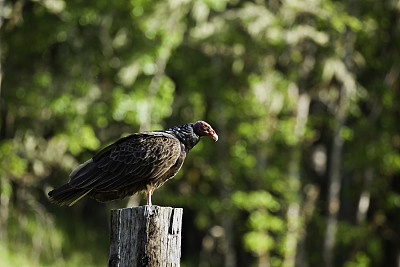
(333, 195)
(293, 213)
(145, 236)
(348, 89)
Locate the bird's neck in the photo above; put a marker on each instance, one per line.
(185, 134)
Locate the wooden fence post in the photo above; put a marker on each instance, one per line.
(145, 236)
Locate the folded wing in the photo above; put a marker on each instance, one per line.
(133, 159)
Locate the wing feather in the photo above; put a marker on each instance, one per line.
(133, 159)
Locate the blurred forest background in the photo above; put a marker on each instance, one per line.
(303, 94)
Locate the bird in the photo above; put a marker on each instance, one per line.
(140, 162)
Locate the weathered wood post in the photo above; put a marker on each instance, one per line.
(145, 236)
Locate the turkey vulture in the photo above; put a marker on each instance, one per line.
(138, 162)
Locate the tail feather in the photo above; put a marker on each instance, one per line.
(66, 195)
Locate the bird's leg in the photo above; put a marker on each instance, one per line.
(149, 193)
(149, 198)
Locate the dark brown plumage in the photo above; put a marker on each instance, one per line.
(138, 162)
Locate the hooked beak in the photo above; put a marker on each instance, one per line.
(214, 136)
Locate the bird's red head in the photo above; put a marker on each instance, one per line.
(202, 128)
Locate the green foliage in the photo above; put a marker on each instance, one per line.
(361, 260)
(255, 200)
